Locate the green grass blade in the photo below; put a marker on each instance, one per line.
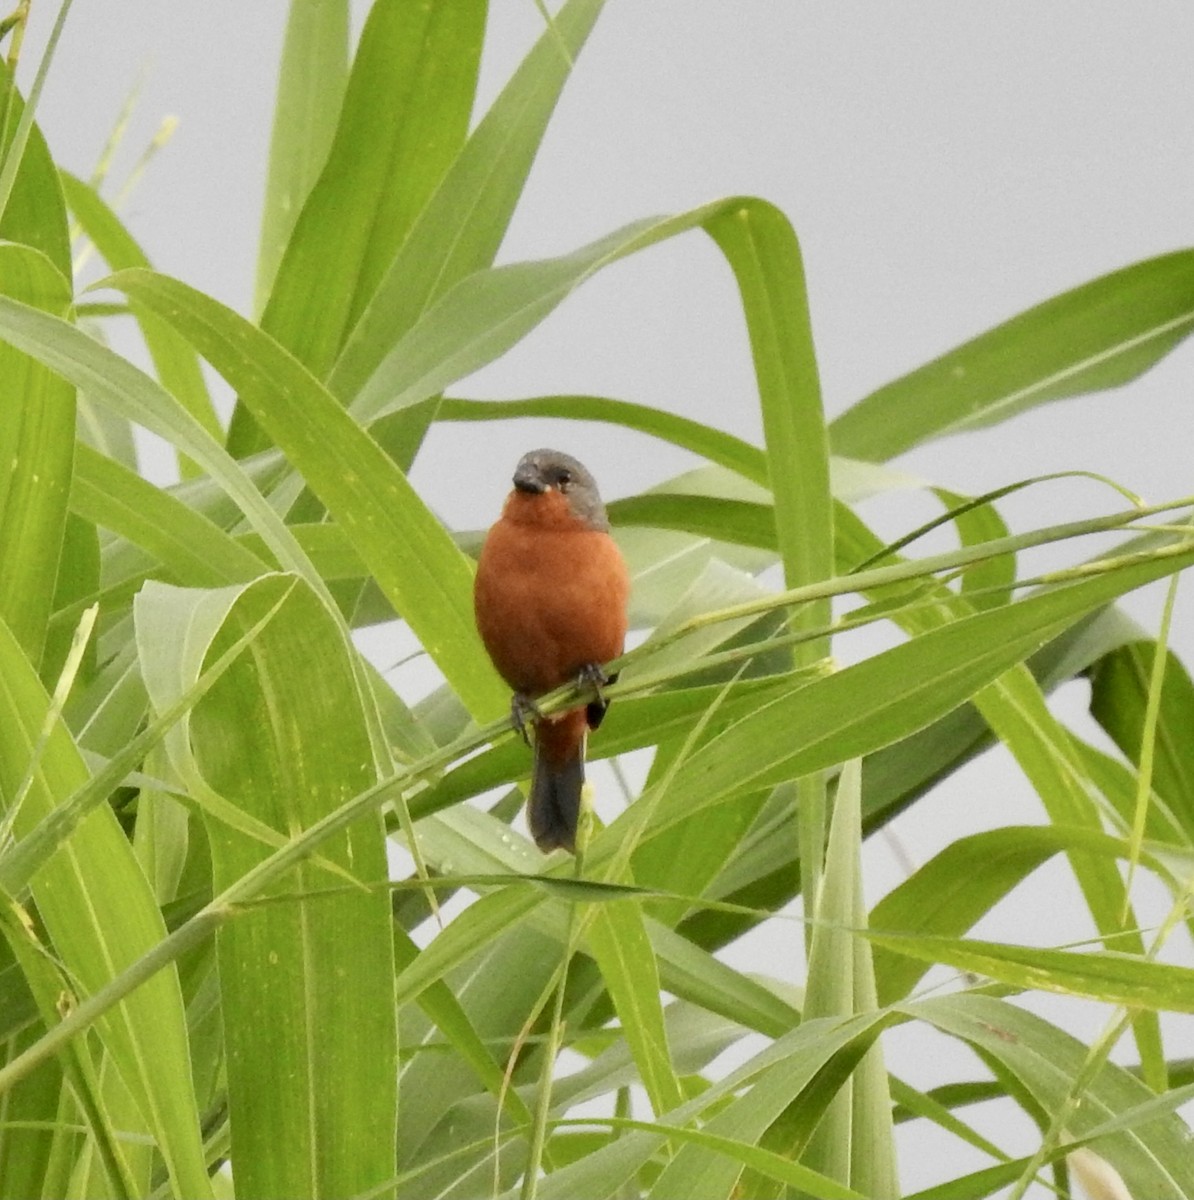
(1119, 702)
(904, 688)
(719, 447)
(31, 209)
(404, 117)
(962, 883)
(764, 1163)
(618, 939)
(480, 318)
(25, 1152)
(25, 1149)
(976, 1184)
(1154, 1155)
(195, 550)
(854, 1142)
(311, 78)
(741, 521)
(175, 362)
(101, 916)
(1098, 975)
(761, 248)
(789, 1075)
(461, 227)
(1097, 336)
(34, 214)
(405, 547)
(696, 976)
(109, 1160)
(111, 380)
(36, 446)
(75, 589)
(312, 1092)
(1148, 746)
(106, 432)
(986, 584)
(830, 988)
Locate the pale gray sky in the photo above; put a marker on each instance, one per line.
(945, 165)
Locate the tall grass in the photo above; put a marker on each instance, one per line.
(228, 844)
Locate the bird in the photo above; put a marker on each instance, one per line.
(550, 598)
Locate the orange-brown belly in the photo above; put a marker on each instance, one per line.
(549, 602)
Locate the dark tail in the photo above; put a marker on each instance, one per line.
(556, 781)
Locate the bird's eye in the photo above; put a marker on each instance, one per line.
(563, 480)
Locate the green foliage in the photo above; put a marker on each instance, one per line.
(205, 961)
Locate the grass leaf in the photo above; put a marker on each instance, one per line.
(1096, 336)
(311, 80)
(407, 550)
(313, 1091)
(36, 446)
(101, 916)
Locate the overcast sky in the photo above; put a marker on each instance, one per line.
(945, 165)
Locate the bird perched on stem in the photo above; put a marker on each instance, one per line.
(550, 600)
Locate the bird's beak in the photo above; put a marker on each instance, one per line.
(528, 479)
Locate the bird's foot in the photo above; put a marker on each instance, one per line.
(522, 713)
(592, 675)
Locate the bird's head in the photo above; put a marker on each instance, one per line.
(552, 487)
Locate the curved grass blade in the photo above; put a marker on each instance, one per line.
(988, 584)
(108, 378)
(957, 887)
(175, 362)
(761, 248)
(407, 550)
(1154, 1154)
(1122, 979)
(714, 444)
(1097, 336)
(195, 550)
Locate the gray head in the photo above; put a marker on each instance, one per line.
(543, 471)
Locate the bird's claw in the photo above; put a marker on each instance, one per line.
(522, 713)
(594, 676)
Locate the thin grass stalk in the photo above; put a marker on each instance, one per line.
(1148, 739)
